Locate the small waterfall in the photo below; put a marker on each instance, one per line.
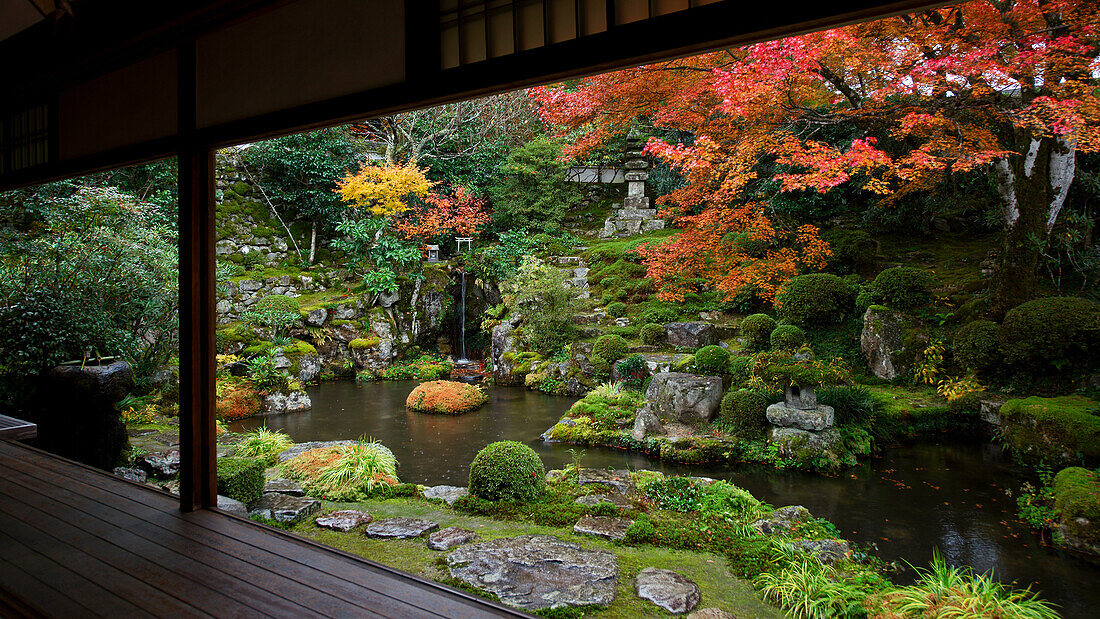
(463, 316)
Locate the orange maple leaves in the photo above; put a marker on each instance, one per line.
(459, 214)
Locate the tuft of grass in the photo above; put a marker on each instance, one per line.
(345, 472)
(808, 590)
(264, 445)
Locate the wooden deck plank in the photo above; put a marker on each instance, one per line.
(383, 603)
(17, 429)
(208, 550)
(19, 562)
(76, 525)
(194, 575)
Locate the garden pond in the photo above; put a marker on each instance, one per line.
(955, 496)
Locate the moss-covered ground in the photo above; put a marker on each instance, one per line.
(720, 588)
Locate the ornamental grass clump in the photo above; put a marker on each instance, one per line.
(946, 591)
(507, 471)
(346, 472)
(263, 445)
(808, 590)
(446, 397)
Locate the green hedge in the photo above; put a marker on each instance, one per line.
(606, 351)
(903, 288)
(742, 412)
(653, 334)
(241, 479)
(507, 471)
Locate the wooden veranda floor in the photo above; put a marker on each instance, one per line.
(75, 542)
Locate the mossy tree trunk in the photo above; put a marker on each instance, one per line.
(1033, 185)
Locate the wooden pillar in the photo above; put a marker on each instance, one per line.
(198, 484)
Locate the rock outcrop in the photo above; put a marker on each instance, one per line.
(890, 342)
(686, 398)
(691, 334)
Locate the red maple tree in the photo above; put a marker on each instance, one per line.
(1007, 86)
(456, 214)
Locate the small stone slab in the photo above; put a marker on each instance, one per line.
(813, 419)
(618, 480)
(827, 551)
(283, 508)
(343, 520)
(284, 486)
(446, 539)
(592, 500)
(673, 592)
(607, 527)
(232, 506)
(399, 528)
(537, 571)
(449, 494)
(782, 520)
(129, 474)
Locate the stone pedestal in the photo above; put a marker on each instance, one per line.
(635, 216)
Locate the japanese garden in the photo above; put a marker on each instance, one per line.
(806, 328)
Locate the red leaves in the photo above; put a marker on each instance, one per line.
(459, 214)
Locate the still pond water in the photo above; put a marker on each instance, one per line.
(954, 497)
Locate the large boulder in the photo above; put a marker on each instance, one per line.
(806, 445)
(279, 403)
(816, 419)
(687, 398)
(503, 346)
(782, 520)
(691, 334)
(531, 572)
(646, 423)
(890, 341)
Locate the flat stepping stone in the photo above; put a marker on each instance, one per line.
(343, 520)
(531, 572)
(449, 494)
(592, 500)
(673, 592)
(284, 486)
(232, 506)
(618, 480)
(446, 539)
(607, 527)
(283, 507)
(399, 528)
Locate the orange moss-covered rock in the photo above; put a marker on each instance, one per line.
(446, 397)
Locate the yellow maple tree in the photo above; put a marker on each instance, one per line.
(384, 191)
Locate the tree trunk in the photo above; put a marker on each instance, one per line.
(1033, 187)
(313, 242)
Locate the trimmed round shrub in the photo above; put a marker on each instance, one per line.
(757, 329)
(276, 311)
(507, 471)
(903, 288)
(606, 351)
(975, 345)
(616, 309)
(653, 334)
(817, 299)
(1052, 333)
(787, 337)
(712, 360)
(446, 397)
(742, 412)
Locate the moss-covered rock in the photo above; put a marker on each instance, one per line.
(1052, 335)
(1077, 503)
(1063, 430)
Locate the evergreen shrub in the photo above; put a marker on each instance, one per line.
(817, 299)
(507, 471)
(757, 330)
(1052, 333)
(241, 479)
(606, 351)
(742, 412)
(616, 309)
(787, 337)
(653, 334)
(903, 288)
(740, 369)
(975, 345)
(712, 360)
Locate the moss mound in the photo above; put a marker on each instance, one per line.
(712, 360)
(787, 337)
(446, 397)
(817, 299)
(653, 334)
(507, 471)
(975, 345)
(1058, 430)
(742, 412)
(606, 351)
(1046, 335)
